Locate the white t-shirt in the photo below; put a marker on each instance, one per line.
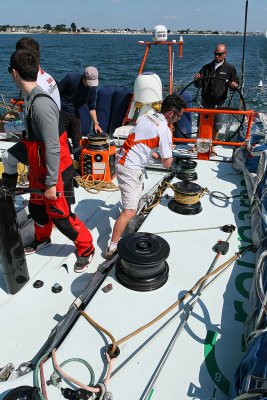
(217, 65)
(49, 85)
(151, 133)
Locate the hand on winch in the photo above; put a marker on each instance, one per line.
(97, 128)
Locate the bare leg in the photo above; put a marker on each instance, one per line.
(121, 224)
(193, 149)
(215, 135)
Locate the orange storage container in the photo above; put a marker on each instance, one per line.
(98, 160)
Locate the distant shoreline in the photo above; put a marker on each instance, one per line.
(126, 33)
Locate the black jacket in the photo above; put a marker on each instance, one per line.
(214, 91)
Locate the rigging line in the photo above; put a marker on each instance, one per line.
(187, 314)
(244, 46)
(188, 293)
(188, 230)
(181, 300)
(187, 305)
(170, 308)
(69, 378)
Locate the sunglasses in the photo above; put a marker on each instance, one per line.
(218, 54)
(176, 114)
(9, 69)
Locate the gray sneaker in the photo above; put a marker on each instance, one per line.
(36, 245)
(82, 263)
(109, 254)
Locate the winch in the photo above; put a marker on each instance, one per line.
(186, 198)
(143, 265)
(186, 170)
(186, 193)
(97, 157)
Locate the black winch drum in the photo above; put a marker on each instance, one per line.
(98, 142)
(143, 265)
(187, 189)
(187, 170)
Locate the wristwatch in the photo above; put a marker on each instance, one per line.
(96, 123)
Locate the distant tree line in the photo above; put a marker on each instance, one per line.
(208, 31)
(59, 28)
(46, 27)
(73, 28)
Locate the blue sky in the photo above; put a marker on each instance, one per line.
(174, 14)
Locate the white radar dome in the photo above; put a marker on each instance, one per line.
(160, 33)
(147, 88)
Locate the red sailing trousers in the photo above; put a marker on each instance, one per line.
(45, 212)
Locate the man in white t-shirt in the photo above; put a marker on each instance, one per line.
(150, 134)
(46, 81)
(18, 153)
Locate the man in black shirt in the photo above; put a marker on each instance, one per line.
(214, 91)
(76, 90)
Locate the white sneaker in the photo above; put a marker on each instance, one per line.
(110, 252)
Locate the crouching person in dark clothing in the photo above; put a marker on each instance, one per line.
(50, 164)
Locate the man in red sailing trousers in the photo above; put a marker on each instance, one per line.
(50, 164)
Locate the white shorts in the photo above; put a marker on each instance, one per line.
(131, 186)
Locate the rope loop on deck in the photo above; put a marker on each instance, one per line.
(94, 186)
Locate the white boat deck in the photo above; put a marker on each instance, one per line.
(99, 213)
(206, 353)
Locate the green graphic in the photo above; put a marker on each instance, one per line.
(239, 283)
(246, 264)
(240, 314)
(210, 359)
(242, 236)
(242, 215)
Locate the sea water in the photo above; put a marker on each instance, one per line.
(118, 58)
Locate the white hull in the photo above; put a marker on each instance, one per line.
(190, 370)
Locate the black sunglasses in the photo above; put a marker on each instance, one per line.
(179, 115)
(218, 54)
(176, 112)
(9, 69)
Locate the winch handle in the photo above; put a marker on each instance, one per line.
(4, 191)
